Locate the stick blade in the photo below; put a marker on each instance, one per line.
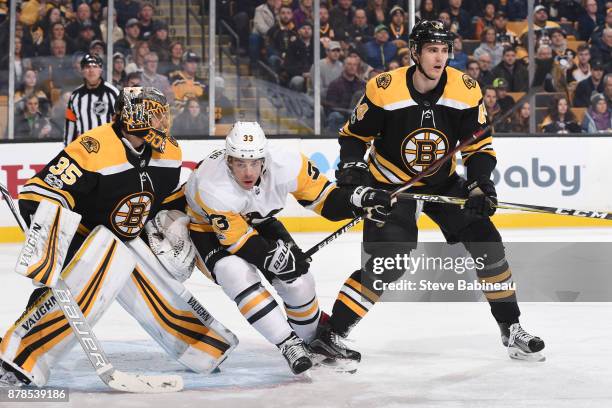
(145, 384)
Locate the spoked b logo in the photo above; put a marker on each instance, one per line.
(421, 148)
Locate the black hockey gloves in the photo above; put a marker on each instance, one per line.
(482, 197)
(286, 261)
(375, 203)
(353, 173)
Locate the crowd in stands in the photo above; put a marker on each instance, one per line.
(51, 38)
(358, 40)
(572, 51)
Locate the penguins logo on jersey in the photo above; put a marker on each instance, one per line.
(422, 147)
(129, 216)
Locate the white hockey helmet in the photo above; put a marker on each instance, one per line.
(246, 140)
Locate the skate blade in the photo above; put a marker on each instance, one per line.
(336, 365)
(518, 354)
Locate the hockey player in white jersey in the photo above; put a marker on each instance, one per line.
(232, 198)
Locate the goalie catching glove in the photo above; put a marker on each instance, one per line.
(286, 261)
(374, 203)
(169, 240)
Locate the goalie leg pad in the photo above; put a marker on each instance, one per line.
(301, 305)
(241, 282)
(172, 315)
(42, 335)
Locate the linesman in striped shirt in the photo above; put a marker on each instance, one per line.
(91, 104)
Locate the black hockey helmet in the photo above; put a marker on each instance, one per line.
(144, 112)
(91, 59)
(430, 31)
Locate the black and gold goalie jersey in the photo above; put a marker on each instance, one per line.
(409, 131)
(99, 177)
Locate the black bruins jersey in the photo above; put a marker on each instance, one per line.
(409, 131)
(98, 177)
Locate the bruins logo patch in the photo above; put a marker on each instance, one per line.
(90, 144)
(383, 80)
(469, 81)
(361, 110)
(129, 216)
(423, 147)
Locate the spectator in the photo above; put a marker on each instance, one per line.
(86, 36)
(279, 38)
(487, 20)
(117, 31)
(608, 89)
(404, 57)
(30, 123)
(150, 77)
(159, 41)
(303, 13)
(96, 11)
(583, 69)
(191, 121)
(603, 50)
(460, 58)
(331, 68)
(360, 32)
(505, 101)
(134, 79)
(28, 87)
(380, 50)
(588, 20)
(513, 71)
(540, 22)
(58, 116)
(52, 16)
(473, 69)
(519, 121)
(185, 83)
(490, 103)
(83, 16)
(558, 42)
(341, 15)
(174, 64)
(560, 118)
(427, 10)
(377, 12)
(586, 87)
(564, 11)
(461, 22)
(325, 29)
(504, 36)
(132, 33)
(224, 109)
(119, 75)
(340, 93)
(597, 36)
(517, 10)
(98, 47)
(398, 30)
(136, 61)
(363, 69)
(544, 64)
(486, 76)
(27, 47)
(489, 45)
(57, 32)
(444, 17)
(56, 69)
(597, 118)
(146, 22)
(126, 10)
(265, 17)
(21, 64)
(300, 56)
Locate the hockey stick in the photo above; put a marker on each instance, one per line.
(430, 198)
(115, 379)
(428, 171)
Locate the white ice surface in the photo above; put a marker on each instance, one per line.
(414, 354)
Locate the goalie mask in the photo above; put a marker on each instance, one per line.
(144, 112)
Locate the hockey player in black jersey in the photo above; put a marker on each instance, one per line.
(412, 117)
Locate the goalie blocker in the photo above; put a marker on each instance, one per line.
(101, 270)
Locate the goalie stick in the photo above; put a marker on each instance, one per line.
(428, 171)
(115, 379)
(431, 198)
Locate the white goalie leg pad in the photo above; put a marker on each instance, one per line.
(42, 335)
(301, 305)
(44, 250)
(172, 316)
(241, 282)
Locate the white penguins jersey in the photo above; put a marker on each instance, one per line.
(216, 202)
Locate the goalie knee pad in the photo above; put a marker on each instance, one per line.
(42, 335)
(172, 316)
(301, 305)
